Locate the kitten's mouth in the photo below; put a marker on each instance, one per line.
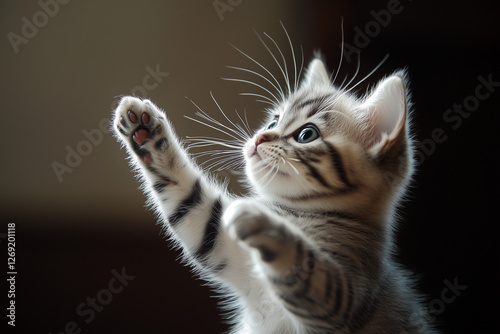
(267, 166)
(256, 154)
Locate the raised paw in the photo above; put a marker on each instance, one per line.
(256, 227)
(140, 124)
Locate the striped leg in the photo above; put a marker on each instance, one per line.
(311, 286)
(191, 205)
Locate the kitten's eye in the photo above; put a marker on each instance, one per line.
(308, 134)
(273, 124)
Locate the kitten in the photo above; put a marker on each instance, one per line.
(310, 251)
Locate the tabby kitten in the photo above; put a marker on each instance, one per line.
(310, 251)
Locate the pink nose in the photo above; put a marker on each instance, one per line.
(261, 139)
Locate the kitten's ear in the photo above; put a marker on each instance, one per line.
(316, 74)
(385, 114)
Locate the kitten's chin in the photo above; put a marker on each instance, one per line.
(254, 157)
(272, 182)
(265, 178)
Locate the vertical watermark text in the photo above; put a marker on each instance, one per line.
(11, 274)
(363, 36)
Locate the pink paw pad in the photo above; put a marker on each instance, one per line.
(122, 122)
(145, 118)
(132, 116)
(148, 159)
(141, 135)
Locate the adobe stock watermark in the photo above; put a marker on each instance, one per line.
(455, 115)
(454, 118)
(30, 27)
(449, 294)
(94, 137)
(381, 19)
(223, 6)
(87, 310)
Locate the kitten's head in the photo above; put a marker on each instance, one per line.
(325, 147)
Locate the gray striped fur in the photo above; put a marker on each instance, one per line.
(311, 250)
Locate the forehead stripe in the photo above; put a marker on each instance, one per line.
(312, 103)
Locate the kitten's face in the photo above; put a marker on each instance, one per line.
(324, 143)
(296, 153)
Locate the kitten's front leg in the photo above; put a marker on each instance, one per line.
(304, 279)
(190, 204)
(256, 227)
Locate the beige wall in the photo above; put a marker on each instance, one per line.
(65, 78)
(71, 234)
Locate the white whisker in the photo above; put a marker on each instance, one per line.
(293, 167)
(211, 126)
(224, 164)
(341, 51)
(245, 122)
(261, 76)
(293, 57)
(273, 176)
(213, 140)
(301, 67)
(254, 84)
(342, 84)
(237, 135)
(283, 69)
(275, 173)
(260, 166)
(261, 66)
(219, 159)
(357, 70)
(267, 178)
(242, 133)
(267, 99)
(369, 74)
(199, 143)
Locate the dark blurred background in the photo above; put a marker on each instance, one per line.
(81, 220)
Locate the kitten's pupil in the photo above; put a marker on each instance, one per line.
(308, 134)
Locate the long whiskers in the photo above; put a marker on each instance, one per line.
(341, 53)
(276, 101)
(274, 93)
(220, 159)
(237, 133)
(296, 75)
(284, 68)
(291, 165)
(369, 74)
(273, 169)
(280, 60)
(346, 88)
(277, 88)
